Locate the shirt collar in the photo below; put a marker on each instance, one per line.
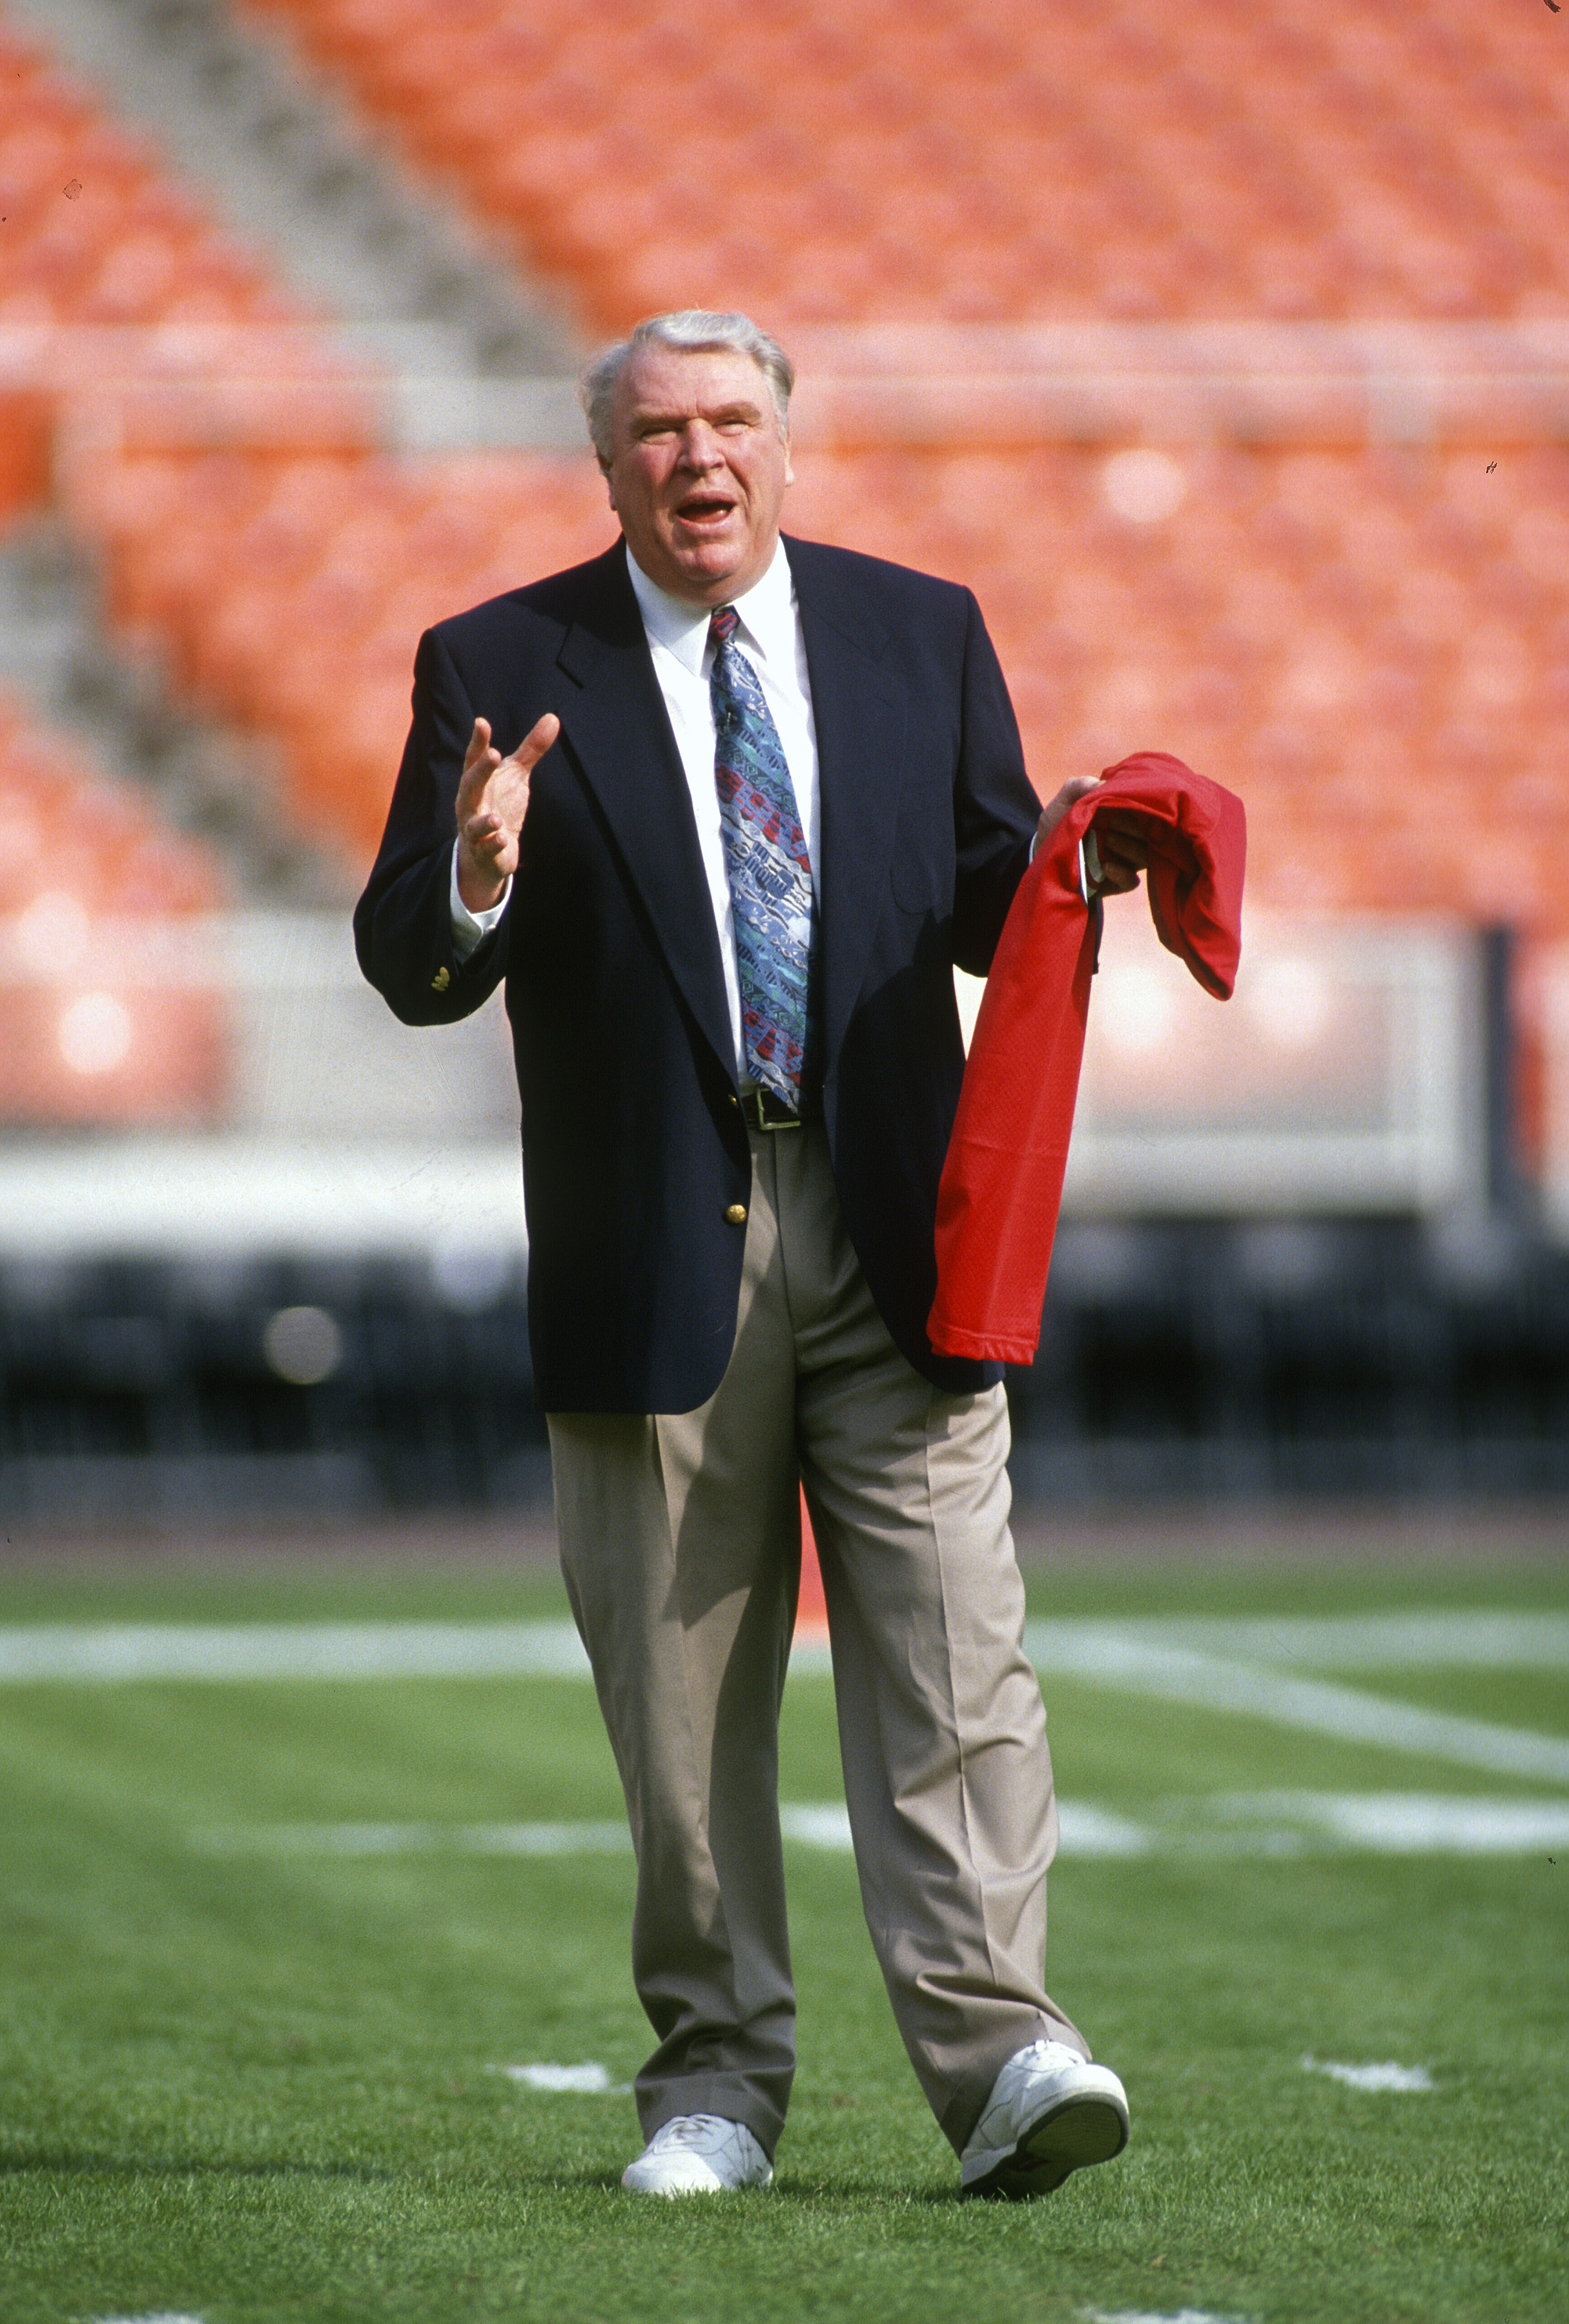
(766, 612)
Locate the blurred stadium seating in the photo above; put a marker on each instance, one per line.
(119, 298)
(1225, 354)
(1369, 640)
(1374, 644)
(922, 160)
(102, 1023)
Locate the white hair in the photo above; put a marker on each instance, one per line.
(685, 326)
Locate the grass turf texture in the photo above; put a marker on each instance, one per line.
(253, 2085)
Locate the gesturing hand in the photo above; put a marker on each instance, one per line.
(493, 798)
(1119, 831)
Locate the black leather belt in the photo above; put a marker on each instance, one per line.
(764, 1110)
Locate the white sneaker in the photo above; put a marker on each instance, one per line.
(699, 2155)
(1050, 2112)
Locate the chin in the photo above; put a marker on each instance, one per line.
(706, 576)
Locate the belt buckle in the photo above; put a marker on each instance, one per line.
(754, 1108)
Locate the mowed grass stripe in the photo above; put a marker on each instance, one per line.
(257, 2088)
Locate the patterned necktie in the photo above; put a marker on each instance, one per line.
(770, 873)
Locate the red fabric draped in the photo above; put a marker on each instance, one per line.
(1001, 1182)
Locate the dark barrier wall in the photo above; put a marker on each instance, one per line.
(1208, 1361)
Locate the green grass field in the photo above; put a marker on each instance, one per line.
(265, 1952)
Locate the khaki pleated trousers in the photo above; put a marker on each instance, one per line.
(680, 1544)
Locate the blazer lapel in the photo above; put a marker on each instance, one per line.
(618, 731)
(859, 713)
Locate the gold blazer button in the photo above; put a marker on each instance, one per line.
(441, 979)
(736, 1215)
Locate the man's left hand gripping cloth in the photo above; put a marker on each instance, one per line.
(1001, 1182)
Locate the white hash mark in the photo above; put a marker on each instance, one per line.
(1156, 2316)
(587, 2080)
(1387, 2077)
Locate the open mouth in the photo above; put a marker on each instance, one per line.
(704, 510)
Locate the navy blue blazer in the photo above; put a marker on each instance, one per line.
(634, 1148)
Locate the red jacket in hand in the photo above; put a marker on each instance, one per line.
(1001, 1182)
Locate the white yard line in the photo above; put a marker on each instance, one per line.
(1271, 1824)
(1086, 1829)
(1422, 1824)
(421, 1840)
(1113, 1657)
(114, 1652)
(117, 1651)
(1145, 1658)
(1445, 1639)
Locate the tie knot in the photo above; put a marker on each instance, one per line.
(723, 626)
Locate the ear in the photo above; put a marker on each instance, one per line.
(789, 472)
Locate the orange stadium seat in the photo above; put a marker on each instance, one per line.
(92, 1035)
(1377, 636)
(1374, 203)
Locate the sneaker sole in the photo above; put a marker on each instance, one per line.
(1086, 2128)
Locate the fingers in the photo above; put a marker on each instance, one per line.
(481, 762)
(1073, 790)
(1077, 787)
(479, 748)
(1130, 855)
(484, 833)
(537, 741)
(1119, 864)
(1123, 836)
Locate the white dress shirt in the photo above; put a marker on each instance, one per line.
(769, 634)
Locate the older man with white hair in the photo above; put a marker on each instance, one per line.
(724, 808)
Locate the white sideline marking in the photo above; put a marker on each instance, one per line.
(1125, 1652)
(827, 1826)
(1387, 2077)
(1088, 1830)
(1445, 1639)
(160, 2319)
(423, 1839)
(1423, 1823)
(1248, 1824)
(585, 2081)
(1145, 1658)
(1117, 1656)
(114, 1652)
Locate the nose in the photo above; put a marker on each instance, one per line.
(700, 447)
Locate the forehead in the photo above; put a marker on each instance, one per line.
(690, 382)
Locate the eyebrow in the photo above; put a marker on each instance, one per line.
(650, 414)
